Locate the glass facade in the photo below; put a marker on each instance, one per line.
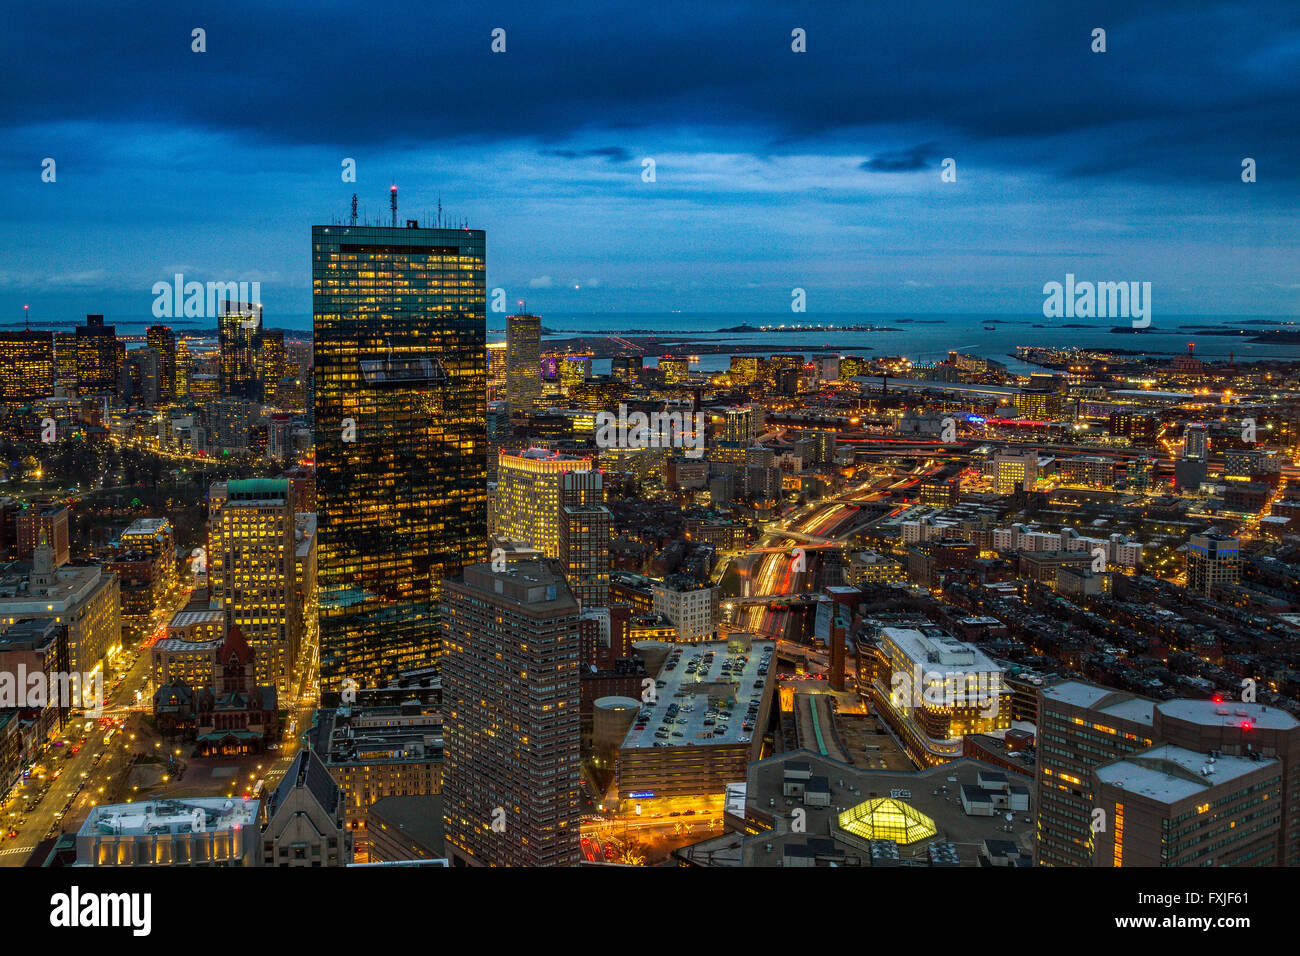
(400, 380)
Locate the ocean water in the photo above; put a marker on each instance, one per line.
(920, 337)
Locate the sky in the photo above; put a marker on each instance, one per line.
(820, 170)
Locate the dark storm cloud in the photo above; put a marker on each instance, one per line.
(413, 72)
(902, 161)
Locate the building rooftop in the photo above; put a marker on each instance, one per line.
(169, 816)
(693, 676)
(1229, 713)
(1169, 774)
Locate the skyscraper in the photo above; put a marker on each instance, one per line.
(239, 341)
(162, 339)
(96, 357)
(251, 551)
(400, 377)
(510, 717)
(26, 365)
(272, 363)
(523, 362)
(184, 367)
(1213, 560)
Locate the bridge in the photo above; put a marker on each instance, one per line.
(770, 599)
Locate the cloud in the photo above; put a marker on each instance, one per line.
(541, 282)
(902, 161)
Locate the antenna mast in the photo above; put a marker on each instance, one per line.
(354, 209)
(392, 203)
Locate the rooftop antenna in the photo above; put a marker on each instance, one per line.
(27, 323)
(392, 202)
(354, 209)
(439, 212)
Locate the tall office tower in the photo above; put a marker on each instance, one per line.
(573, 370)
(142, 381)
(496, 371)
(511, 720)
(740, 425)
(523, 362)
(96, 357)
(586, 532)
(162, 340)
(1196, 442)
(532, 489)
(65, 359)
(498, 433)
(239, 343)
(674, 369)
(401, 469)
(272, 364)
(626, 368)
(744, 369)
(251, 551)
(184, 369)
(1177, 782)
(1213, 560)
(26, 365)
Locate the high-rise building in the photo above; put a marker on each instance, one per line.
(251, 554)
(1213, 560)
(272, 363)
(532, 489)
(523, 362)
(26, 365)
(96, 357)
(65, 359)
(586, 531)
(740, 424)
(1196, 442)
(690, 605)
(162, 340)
(1014, 471)
(49, 520)
(400, 381)
(184, 368)
(1128, 781)
(496, 371)
(239, 342)
(511, 717)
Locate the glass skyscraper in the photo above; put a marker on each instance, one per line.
(400, 381)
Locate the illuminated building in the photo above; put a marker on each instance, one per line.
(301, 821)
(690, 605)
(729, 690)
(496, 371)
(533, 488)
(376, 752)
(744, 371)
(933, 690)
(1014, 471)
(239, 340)
(186, 654)
(162, 340)
(272, 365)
(1164, 809)
(586, 530)
(1037, 404)
(523, 362)
(511, 795)
(145, 563)
(1196, 442)
(85, 599)
(400, 376)
(674, 370)
(740, 425)
(184, 367)
(26, 365)
(1213, 560)
(251, 570)
(1093, 740)
(573, 370)
(189, 831)
(65, 360)
(50, 520)
(96, 357)
(626, 368)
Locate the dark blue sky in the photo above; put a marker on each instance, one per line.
(774, 169)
